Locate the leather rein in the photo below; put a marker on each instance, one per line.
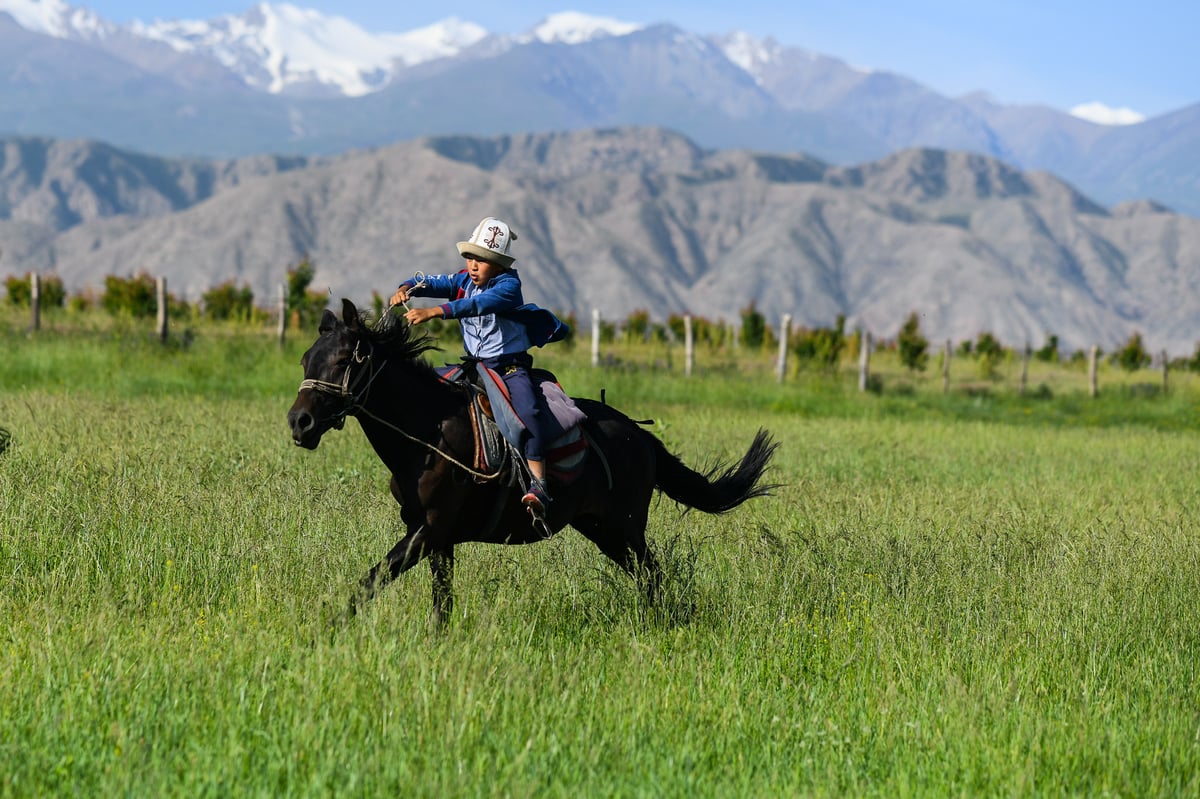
(354, 404)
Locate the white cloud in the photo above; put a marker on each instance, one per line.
(1103, 115)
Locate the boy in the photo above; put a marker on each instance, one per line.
(498, 329)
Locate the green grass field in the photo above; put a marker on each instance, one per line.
(951, 595)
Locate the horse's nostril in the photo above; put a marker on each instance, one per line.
(302, 422)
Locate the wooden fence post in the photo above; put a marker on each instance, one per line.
(283, 313)
(595, 337)
(35, 301)
(1093, 386)
(864, 361)
(1165, 365)
(785, 330)
(160, 292)
(946, 367)
(689, 346)
(1024, 370)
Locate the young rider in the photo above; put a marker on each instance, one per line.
(498, 329)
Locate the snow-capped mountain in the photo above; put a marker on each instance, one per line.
(280, 47)
(571, 27)
(282, 79)
(56, 18)
(1102, 114)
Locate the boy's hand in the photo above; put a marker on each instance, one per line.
(400, 297)
(418, 315)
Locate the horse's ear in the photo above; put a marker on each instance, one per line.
(328, 322)
(350, 316)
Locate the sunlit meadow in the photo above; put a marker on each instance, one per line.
(975, 593)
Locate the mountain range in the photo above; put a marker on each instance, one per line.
(287, 81)
(629, 218)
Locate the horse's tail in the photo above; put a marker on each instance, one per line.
(722, 487)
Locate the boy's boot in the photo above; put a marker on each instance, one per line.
(537, 498)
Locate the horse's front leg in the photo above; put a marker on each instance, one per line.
(402, 557)
(441, 565)
(426, 536)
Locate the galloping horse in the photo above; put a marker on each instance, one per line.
(420, 427)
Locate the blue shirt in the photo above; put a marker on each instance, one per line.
(495, 318)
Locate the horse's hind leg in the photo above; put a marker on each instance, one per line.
(625, 544)
(644, 567)
(441, 566)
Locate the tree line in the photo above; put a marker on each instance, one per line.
(811, 347)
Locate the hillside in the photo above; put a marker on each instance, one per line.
(622, 219)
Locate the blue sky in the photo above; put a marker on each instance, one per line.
(1061, 53)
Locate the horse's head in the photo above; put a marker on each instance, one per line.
(337, 370)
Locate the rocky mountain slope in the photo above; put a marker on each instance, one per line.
(624, 219)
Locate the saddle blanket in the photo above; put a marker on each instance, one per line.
(567, 452)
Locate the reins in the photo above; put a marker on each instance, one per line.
(473, 472)
(354, 405)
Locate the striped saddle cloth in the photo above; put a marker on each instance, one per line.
(498, 428)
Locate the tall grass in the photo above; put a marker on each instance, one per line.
(947, 597)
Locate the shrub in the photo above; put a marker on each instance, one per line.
(306, 306)
(133, 296)
(20, 291)
(1193, 363)
(1133, 355)
(1049, 351)
(914, 348)
(822, 346)
(228, 301)
(638, 327)
(754, 327)
(988, 352)
(704, 331)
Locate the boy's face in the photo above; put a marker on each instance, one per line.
(481, 272)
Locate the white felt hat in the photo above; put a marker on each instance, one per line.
(490, 242)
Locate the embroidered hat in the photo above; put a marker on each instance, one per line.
(490, 242)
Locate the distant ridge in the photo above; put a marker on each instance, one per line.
(282, 79)
(621, 219)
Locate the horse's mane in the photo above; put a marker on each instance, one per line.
(396, 337)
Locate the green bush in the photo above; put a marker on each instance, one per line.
(1049, 351)
(229, 301)
(754, 327)
(822, 346)
(20, 291)
(1133, 355)
(914, 348)
(306, 306)
(639, 327)
(133, 296)
(704, 331)
(988, 352)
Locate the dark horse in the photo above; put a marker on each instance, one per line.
(419, 426)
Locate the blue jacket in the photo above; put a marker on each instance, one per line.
(495, 318)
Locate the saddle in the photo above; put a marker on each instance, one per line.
(498, 429)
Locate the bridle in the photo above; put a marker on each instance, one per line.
(348, 390)
(354, 402)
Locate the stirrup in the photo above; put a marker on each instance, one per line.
(537, 499)
(537, 503)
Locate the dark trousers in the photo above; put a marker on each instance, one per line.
(528, 401)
